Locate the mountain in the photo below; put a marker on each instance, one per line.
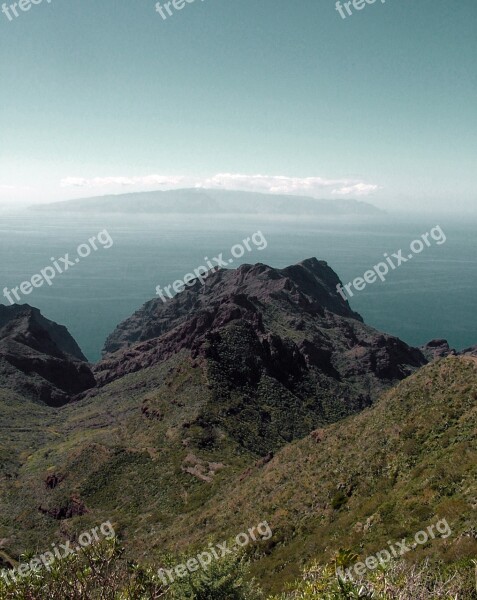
(38, 358)
(208, 201)
(381, 475)
(259, 395)
(281, 350)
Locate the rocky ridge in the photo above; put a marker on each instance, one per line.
(294, 312)
(39, 359)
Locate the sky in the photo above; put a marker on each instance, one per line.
(269, 95)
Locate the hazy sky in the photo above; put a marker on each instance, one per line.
(106, 96)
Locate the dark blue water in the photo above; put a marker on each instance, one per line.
(434, 295)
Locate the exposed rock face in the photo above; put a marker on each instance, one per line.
(26, 324)
(437, 349)
(440, 349)
(283, 351)
(39, 358)
(296, 314)
(73, 507)
(308, 287)
(53, 480)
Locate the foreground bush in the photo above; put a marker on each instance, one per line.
(396, 581)
(101, 572)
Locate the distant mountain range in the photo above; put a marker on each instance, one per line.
(207, 201)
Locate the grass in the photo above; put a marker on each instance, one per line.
(379, 475)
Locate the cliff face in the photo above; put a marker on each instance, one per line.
(279, 347)
(308, 287)
(294, 314)
(39, 358)
(278, 341)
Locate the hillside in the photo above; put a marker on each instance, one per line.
(191, 393)
(280, 350)
(384, 474)
(380, 475)
(258, 396)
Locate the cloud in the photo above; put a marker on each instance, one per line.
(357, 189)
(280, 184)
(149, 180)
(272, 184)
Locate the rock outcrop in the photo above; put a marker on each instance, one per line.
(296, 314)
(440, 348)
(281, 348)
(39, 359)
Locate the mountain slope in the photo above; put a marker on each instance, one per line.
(252, 360)
(281, 351)
(215, 411)
(38, 358)
(383, 474)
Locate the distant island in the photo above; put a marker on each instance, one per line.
(212, 202)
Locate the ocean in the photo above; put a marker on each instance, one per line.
(434, 295)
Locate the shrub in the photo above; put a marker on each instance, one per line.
(339, 500)
(396, 581)
(101, 572)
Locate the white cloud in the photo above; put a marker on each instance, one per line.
(280, 184)
(149, 180)
(357, 189)
(273, 184)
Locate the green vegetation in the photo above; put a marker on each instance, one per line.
(359, 483)
(398, 581)
(102, 572)
(152, 454)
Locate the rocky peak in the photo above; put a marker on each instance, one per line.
(307, 287)
(39, 358)
(25, 323)
(260, 327)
